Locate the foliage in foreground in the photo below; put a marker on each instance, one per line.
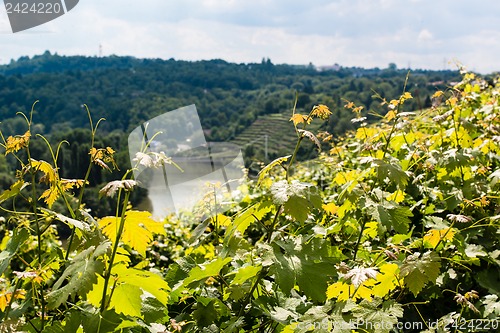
(396, 227)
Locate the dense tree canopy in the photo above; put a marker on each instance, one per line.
(229, 96)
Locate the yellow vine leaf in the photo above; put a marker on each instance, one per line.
(101, 156)
(223, 220)
(366, 132)
(95, 295)
(371, 230)
(13, 190)
(350, 105)
(397, 196)
(342, 291)
(291, 328)
(464, 138)
(340, 178)
(405, 96)
(486, 145)
(16, 143)
(68, 184)
(437, 94)
(56, 186)
(5, 298)
(48, 171)
(127, 300)
(298, 118)
(343, 177)
(336, 150)
(150, 282)
(122, 256)
(452, 101)
(271, 165)
(138, 229)
(330, 208)
(363, 292)
(51, 194)
(433, 236)
(386, 280)
(344, 208)
(390, 115)
(207, 251)
(339, 290)
(393, 104)
(321, 111)
(96, 153)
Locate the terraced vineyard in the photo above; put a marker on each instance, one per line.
(280, 135)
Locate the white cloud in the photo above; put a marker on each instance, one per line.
(4, 22)
(425, 36)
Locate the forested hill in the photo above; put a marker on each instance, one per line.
(230, 97)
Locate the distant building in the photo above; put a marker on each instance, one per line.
(335, 67)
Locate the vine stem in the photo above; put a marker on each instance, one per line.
(393, 128)
(107, 275)
(93, 130)
(292, 159)
(359, 240)
(459, 318)
(61, 191)
(262, 273)
(271, 228)
(80, 198)
(9, 306)
(443, 237)
(34, 199)
(300, 137)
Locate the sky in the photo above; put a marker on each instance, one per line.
(423, 34)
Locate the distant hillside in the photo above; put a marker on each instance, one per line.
(240, 103)
(229, 97)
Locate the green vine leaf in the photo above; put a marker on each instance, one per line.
(19, 236)
(491, 306)
(13, 190)
(390, 171)
(494, 177)
(147, 281)
(81, 274)
(295, 262)
(377, 316)
(67, 220)
(418, 270)
(267, 168)
(391, 215)
(127, 300)
(298, 198)
(205, 271)
(245, 273)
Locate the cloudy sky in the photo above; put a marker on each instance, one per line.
(429, 34)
